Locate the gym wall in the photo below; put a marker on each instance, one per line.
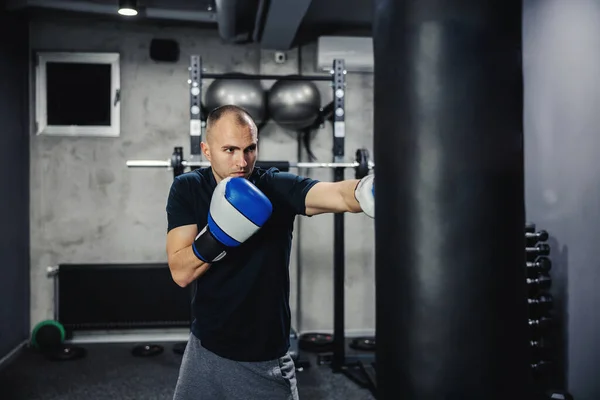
(562, 143)
(14, 175)
(88, 207)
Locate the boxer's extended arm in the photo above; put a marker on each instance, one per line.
(351, 195)
(184, 265)
(332, 197)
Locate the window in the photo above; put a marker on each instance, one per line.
(78, 94)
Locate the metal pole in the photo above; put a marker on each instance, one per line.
(286, 164)
(197, 119)
(267, 77)
(339, 253)
(149, 163)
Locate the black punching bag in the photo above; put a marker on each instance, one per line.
(448, 147)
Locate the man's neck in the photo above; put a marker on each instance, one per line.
(217, 179)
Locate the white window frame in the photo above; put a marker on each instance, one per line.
(113, 130)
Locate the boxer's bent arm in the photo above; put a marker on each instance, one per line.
(184, 265)
(332, 197)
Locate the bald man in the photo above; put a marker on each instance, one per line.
(239, 342)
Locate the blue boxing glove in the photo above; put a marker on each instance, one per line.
(365, 195)
(237, 211)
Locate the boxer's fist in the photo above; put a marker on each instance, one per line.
(237, 211)
(365, 195)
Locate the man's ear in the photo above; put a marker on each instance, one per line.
(205, 150)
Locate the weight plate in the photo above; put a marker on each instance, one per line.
(50, 329)
(316, 342)
(147, 350)
(363, 343)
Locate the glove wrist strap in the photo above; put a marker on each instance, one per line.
(207, 248)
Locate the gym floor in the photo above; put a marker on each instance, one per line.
(110, 372)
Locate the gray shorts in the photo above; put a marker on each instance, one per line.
(205, 375)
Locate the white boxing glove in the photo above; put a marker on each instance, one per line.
(365, 194)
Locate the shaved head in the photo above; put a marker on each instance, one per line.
(232, 113)
(231, 142)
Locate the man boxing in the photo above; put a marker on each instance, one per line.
(230, 235)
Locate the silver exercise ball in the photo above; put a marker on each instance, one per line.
(294, 104)
(246, 93)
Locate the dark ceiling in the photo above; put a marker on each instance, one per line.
(274, 24)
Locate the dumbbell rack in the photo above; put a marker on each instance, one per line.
(540, 301)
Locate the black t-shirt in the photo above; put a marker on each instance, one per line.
(241, 304)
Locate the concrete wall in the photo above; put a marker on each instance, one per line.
(14, 175)
(562, 102)
(87, 206)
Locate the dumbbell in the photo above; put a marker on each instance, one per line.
(529, 228)
(540, 304)
(541, 323)
(534, 252)
(541, 265)
(540, 349)
(540, 235)
(541, 283)
(540, 368)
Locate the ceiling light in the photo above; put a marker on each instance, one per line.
(128, 7)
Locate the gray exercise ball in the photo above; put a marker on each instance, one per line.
(294, 104)
(246, 93)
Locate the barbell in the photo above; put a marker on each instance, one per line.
(361, 164)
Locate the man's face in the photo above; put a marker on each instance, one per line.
(231, 149)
